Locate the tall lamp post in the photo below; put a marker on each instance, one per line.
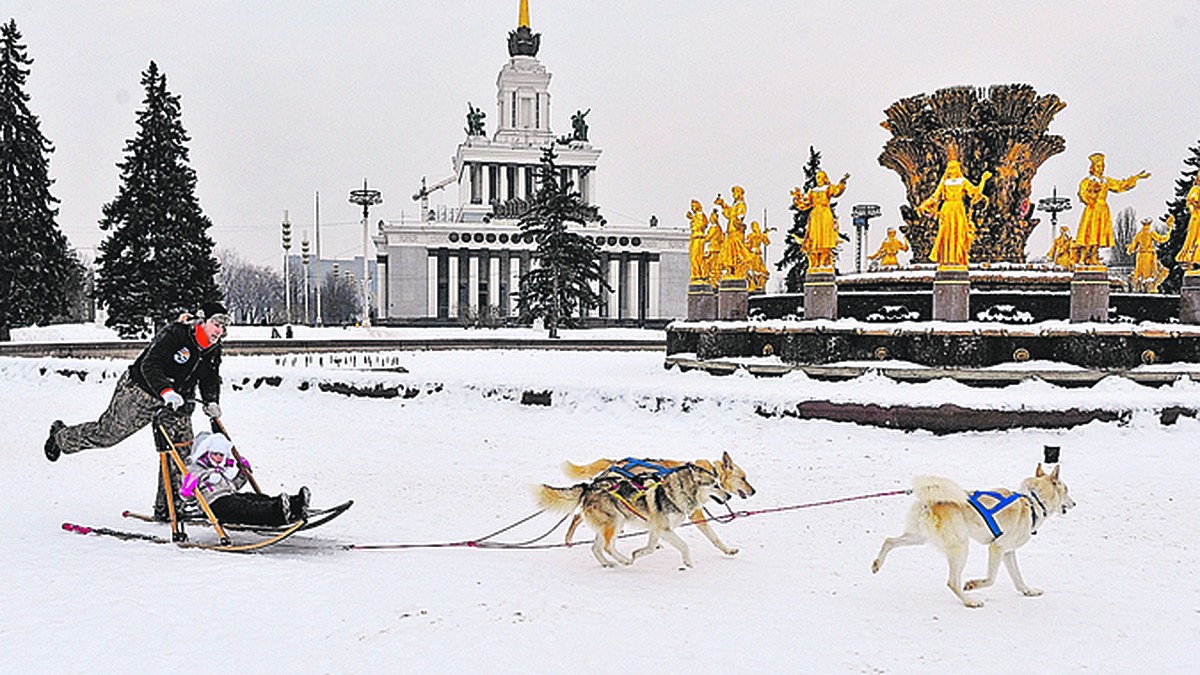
(366, 199)
(304, 257)
(862, 215)
(1054, 205)
(286, 228)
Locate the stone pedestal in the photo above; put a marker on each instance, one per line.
(952, 294)
(820, 294)
(1189, 298)
(732, 299)
(701, 302)
(1089, 294)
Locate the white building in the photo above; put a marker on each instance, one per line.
(472, 255)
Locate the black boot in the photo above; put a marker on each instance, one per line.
(299, 504)
(52, 450)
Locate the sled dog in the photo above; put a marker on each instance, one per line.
(661, 494)
(949, 516)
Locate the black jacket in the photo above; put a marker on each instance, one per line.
(174, 360)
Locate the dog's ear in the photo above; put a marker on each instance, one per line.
(1039, 473)
(726, 460)
(1054, 473)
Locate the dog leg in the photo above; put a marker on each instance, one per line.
(610, 537)
(1010, 562)
(994, 554)
(681, 545)
(598, 551)
(651, 545)
(702, 524)
(906, 539)
(956, 558)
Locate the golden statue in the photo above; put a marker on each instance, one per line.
(1095, 225)
(1062, 251)
(757, 242)
(886, 255)
(822, 234)
(713, 241)
(955, 231)
(734, 257)
(699, 223)
(1189, 254)
(1148, 272)
(1005, 128)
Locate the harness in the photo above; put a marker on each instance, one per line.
(988, 513)
(628, 484)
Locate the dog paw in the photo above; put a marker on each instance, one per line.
(731, 551)
(1031, 592)
(876, 566)
(974, 584)
(973, 604)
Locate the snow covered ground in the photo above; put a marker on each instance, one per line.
(459, 461)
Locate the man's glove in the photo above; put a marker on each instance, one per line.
(174, 401)
(213, 410)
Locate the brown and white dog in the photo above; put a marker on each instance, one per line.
(1004, 520)
(662, 494)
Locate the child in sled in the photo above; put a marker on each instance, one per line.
(214, 472)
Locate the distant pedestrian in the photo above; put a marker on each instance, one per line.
(161, 382)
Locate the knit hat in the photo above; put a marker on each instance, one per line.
(215, 311)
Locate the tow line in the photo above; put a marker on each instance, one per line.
(485, 542)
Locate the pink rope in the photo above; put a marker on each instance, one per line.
(483, 543)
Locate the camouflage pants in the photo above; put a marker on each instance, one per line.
(131, 409)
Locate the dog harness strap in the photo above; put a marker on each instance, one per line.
(1032, 498)
(988, 514)
(625, 467)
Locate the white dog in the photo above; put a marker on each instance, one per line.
(949, 516)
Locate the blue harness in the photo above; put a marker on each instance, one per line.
(988, 513)
(625, 468)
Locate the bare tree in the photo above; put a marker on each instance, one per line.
(1125, 226)
(253, 293)
(340, 301)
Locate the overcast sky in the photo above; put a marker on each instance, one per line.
(688, 97)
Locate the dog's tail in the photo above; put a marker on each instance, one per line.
(560, 499)
(937, 490)
(586, 471)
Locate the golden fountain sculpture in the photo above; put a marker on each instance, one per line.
(1095, 225)
(821, 238)
(1002, 128)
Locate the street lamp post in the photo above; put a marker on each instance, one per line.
(366, 199)
(1054, 205)
(304, 257)
(287, 279)
(862, 215)
(320, 279)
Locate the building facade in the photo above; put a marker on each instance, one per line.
(471, 256)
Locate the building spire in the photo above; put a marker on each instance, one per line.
(523, 41)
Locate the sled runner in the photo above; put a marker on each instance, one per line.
(316, 518)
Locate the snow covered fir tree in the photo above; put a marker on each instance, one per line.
(1178, 207)
(157, 260)
(568, 276)
(37, 266)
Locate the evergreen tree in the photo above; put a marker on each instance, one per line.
(794, 259)
(158, 258)
(1178, 207)
(567, 262)
(36, 263)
